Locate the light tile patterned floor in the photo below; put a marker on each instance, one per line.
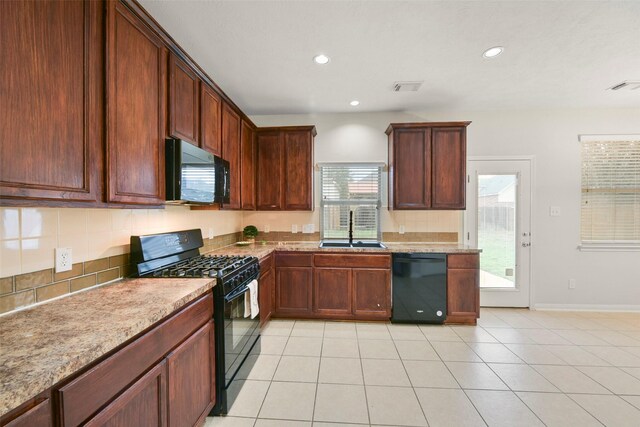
(516, 368)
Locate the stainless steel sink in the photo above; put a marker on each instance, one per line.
(354, 245)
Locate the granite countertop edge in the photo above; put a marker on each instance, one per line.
(52, 341)
(261, 251)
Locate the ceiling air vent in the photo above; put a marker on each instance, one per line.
(628, 85)
(406, 86)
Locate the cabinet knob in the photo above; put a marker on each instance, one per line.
(378, 305)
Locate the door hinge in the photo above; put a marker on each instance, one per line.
(468, 236)
(468, 179)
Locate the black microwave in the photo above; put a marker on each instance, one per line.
(194, 175)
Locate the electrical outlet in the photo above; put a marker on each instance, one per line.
(63, 259)
(211, 232)
(401, 229)
(294, 228)
(267, 228)
(554, 210)
(572, 283)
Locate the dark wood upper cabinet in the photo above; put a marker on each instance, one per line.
(427, 165)
(285, 168)
(136, 94)
(269, 178)
(247, 167)
(412, 164)
(231, 152)
(210, 121)
(298, 174)
(52, 76)
(184, 100)
(191, 379)
(449, 150)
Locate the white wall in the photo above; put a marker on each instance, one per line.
(603, 278)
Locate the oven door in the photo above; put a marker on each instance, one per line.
(240, 332)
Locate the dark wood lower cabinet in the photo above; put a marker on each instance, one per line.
(142, 404)
(463, 289)
(333, 286)
(266, 289)
(192, 379)
(372, 293)
(39, 415)
(293, 291)
(332, 291)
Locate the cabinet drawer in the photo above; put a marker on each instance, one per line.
(266, 264)
(84, 395)
(463, 261)
(293, 260)
(352, 261)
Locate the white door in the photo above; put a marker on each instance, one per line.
(498, 221)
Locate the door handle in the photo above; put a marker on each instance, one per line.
(525, 245)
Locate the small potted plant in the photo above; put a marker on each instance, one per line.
(250, 232)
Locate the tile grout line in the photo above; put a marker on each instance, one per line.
(364, 386)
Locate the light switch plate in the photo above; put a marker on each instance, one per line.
(554, 210)
(294, 228)
(401, 229)
(308, 228)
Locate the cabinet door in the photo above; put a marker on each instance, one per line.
(184, 110)
(248, 167)
(143, 403)
(265, 293)
(191, 380)
(449, 167)
(298, 170)
(293, 290)
(136, 86)
(210, 120)
(412, 169)
(372, 293)
(51, 124)
(231, 152)
(39, 415)
(270, 168)
(332, 292)
(463, 295)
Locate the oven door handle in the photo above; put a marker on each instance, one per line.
(236, 293)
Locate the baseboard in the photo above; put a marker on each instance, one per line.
(587, 307)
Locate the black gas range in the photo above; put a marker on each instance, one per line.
(177, 255)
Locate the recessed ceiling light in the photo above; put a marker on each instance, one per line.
(321, 59)
(493, 52)
(354, 103)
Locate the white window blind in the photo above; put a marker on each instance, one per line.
(610, 212)
(350, 187)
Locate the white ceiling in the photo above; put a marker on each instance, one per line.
(557, 53)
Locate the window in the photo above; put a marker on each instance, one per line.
(349, 187)
(610, 211)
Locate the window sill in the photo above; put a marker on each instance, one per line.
(609, 247)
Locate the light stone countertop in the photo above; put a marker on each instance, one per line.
(263, 250)
(44, 344)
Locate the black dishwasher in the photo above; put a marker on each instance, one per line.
(419, 288)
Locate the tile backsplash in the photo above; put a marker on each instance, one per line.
(28, 236)
(99, 239)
